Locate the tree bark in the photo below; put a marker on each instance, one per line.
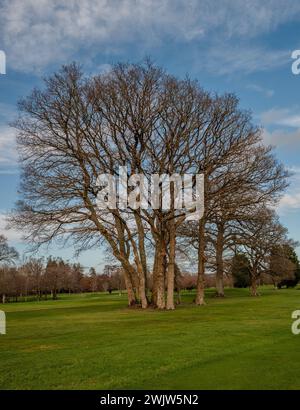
(142, 252)
(253, 285)
(154, 277)
(142, 286)
(253, 288)
(201, 264)
(54, 294)
(128, 273)
(171, 266)
(129, 288)
(159, 275)
(141, 279)
(219, 260)
(177, 284)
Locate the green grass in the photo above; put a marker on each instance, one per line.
(92, 341)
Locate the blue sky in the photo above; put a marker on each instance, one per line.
(234, 46)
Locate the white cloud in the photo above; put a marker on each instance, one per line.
(290, 142)
(8, 152)
(100, 69)
(262, 90)
(286, 117)
(11, 234)
(7, 112)
(104, 68)
(285, 123)
(283, 139)
(36, 34)
(290, 202)
(248, 59)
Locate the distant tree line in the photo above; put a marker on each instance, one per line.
(38, 280)
(282, 268)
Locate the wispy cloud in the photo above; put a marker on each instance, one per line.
(290, 202)
(244, 58)
(283, 139)
(38, 34)
(287, 117)
(262, 90)
(11, 234)
(7, 112)
(285, 135)
(285, 127)
(8, 152)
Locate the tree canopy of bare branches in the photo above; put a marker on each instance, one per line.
(138, 116)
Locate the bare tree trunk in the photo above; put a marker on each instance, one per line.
(177, 284)
(178, 297)
(129, 288)
(161, 302)
(201, 264)
(171, 266)
(219, 260)
(253, 287)
(154, 276)
(132, 282)
(129, 273)
(141, 279)
(3, 298)
(142, 252)
(142, 286)
(159, 276)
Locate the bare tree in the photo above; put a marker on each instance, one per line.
(33, 269)
(78, 128)
(283, 263)
(256, 239)
(8, 254)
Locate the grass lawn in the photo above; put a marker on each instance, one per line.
(92, 341)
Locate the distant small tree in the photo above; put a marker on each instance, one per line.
(283, 262)
(258, 234)
(8, 254)
(33, 270)
(52, 276)
(240, 271)
(93, 280)
(293, 257)
(77, 273)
